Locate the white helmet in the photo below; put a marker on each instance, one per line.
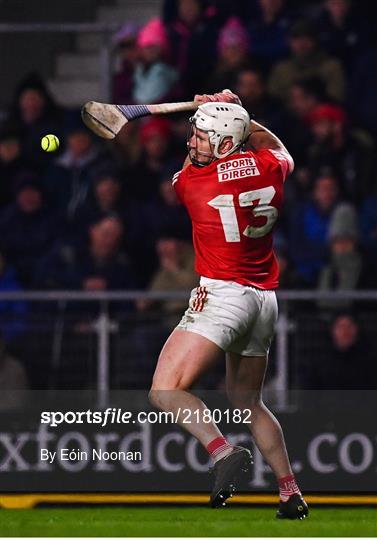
(222, 120)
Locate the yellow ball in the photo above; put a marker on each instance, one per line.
(50, 143)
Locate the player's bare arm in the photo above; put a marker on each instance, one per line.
(260, 137)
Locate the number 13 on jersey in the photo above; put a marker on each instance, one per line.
(225, 205)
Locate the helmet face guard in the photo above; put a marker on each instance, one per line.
(193, 152)
(219, 121)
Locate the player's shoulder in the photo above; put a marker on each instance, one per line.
(177, 176)
(275, 158)
(179, 184)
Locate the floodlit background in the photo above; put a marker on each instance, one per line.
(102, 217)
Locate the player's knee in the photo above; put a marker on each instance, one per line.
(169, 385)
(160, 390)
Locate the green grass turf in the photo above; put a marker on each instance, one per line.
(184, 521)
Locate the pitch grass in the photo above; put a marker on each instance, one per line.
(184, 521)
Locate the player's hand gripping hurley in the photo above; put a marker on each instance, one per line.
(107, 120)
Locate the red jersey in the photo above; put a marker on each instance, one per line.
(234, 203)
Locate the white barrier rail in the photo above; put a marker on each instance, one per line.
(105, 325)
(96, 296)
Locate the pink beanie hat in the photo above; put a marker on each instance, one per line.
(153, 33)
(233, 34)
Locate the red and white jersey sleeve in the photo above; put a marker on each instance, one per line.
(283, 157)
(234, 204)
(178, 186)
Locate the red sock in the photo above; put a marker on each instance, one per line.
(219, 448)
(288, 487)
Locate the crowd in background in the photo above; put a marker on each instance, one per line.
(104, 216)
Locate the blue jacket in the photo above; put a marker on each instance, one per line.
(12, 313)
(308, 240)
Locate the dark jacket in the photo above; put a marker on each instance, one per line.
(25, 238)
(352, 369)
(67, 266)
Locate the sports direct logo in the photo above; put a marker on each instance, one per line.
(236, 169)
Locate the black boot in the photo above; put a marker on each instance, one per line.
(294, 508)
(228, 471)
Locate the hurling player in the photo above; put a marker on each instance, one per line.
(234, 198)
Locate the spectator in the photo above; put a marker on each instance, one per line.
(13, 381)
(304, 97)
(175, 273)
(192, 33)
(349, 153)
(125, 41)
(108, 192)
(252, 89)
(157, 215)
(308, 229)
(34, 113)
(346, 268)
(106, 197)
(69, 180)
(12, 312)
(166, 212)
(98, 265)
(288, 278)
(306, 60)
(233, 55)
(154, 78)
(142, 180)
(28, 228)
(12, 163)
(343, 30)
(340, 369)
(268, 31)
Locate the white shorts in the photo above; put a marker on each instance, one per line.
(237, 318)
